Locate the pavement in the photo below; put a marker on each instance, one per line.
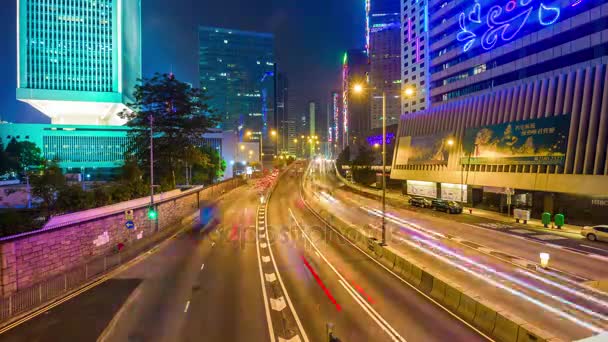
(331, 283)
(199, 286)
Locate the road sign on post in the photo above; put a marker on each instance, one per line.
(130, 224)
(129, 214)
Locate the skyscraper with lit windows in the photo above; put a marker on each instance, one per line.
(384, 51)
(78, 61)
(236, 68)
(414, 55)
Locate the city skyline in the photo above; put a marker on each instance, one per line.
(306, 54)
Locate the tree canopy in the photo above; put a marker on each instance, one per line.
(179, 115)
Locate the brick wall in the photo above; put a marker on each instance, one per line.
(33, 257)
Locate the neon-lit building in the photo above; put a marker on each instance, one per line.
(414, 55)
(78, 61)
(519, 109)
(237, 70)
(384, 29)
(356, 120)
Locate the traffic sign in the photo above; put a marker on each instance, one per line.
(129, 214)
(130, 224)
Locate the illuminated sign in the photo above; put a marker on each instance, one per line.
(491, 25)
(377, 139)
(336, 112)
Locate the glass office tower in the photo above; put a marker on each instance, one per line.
(78, 60)
(237, 69)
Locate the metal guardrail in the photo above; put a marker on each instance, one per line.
(54, 287)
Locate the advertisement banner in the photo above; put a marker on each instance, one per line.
(428, 150)
(454, 192)
(530, 142)
(420, 188)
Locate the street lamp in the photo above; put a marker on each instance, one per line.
(407, 93)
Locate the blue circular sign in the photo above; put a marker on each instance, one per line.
(130, 224)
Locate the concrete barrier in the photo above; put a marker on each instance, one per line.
(505, 329)
(415, 275)
(438, 291)
(452, 298)
(485, 318)
(426, 282)
(466, 308)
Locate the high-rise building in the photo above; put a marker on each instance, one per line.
(283, 111)
(78, 61)
(519, 109)
(356, 118)
(414, 55)
(384, 49)
(236, 68)
(335, 110)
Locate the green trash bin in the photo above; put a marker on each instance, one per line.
(559, 220)
(546, 219)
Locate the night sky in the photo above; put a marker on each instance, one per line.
(311, 37)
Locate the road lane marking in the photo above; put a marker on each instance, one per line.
(368, 308)
(270, 277)
(283, 288)
(265, 258)
(187, 306)
(202, 266)
(263, 245)
(599, 249)
(264, 294)
(278, 304)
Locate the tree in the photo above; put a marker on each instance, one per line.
(180, 117)
(210, 168)
(23, 154)
(47, 185)
(343, 159)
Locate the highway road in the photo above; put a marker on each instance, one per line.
(195, 287)
(332, 284)
(476, 259)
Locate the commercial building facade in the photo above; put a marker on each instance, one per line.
(384, 52)
(237, 70)
(414, 55)
(78, 61)
(518, 119)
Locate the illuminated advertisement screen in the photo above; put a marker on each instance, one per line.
(530, 142)
(427, 150)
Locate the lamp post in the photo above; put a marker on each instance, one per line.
(407, 93)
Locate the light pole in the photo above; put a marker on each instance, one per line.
(152, 163)
(407, 93)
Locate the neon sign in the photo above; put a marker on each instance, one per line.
(377, 139)
(336, 110)
(500, 24)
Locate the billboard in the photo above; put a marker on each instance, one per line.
(530, 142)
(427, 149)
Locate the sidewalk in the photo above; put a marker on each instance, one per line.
(567, 230)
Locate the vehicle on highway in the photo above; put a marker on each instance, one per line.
(447, 206)
(420, 202)
(595, 233)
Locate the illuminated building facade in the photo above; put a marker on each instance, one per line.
(335, 112)
(97, 150)
(414, 55)
(384, 20)
(356, 120)
(519, 109)
(480, 45)
(236, 68)
(78, 61)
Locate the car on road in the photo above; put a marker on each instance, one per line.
(447, 206)
(420, 202)
(595, 233)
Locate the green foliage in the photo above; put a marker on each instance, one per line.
(16, 221)
(180, 117)
(343, 159)
(210, 168)
(46, 186)
(19, 155)
(73, 198)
